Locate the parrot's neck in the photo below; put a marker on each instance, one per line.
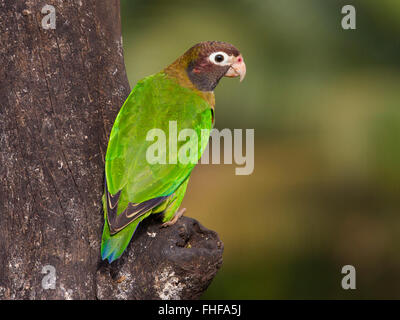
(177, 72)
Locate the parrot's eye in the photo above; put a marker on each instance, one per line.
(219, 58)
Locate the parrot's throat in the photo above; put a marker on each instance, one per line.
(181, 74)
(205, 81)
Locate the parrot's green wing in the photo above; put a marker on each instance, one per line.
(136, 181)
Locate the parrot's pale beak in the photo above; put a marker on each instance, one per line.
(237, 69)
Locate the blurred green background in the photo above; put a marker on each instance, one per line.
(325, 106)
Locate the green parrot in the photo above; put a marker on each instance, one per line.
(182, 93)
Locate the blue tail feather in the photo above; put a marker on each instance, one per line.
(113, 246)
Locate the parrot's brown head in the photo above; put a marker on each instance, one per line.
(206, 63)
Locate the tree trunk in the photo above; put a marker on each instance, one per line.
(60, 90)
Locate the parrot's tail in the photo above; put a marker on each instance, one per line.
(112, 246)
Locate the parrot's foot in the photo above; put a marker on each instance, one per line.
(177, 215)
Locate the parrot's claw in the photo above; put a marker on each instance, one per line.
(177, 215)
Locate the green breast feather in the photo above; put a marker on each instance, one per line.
(153, 103)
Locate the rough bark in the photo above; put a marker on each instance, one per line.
(60, 91)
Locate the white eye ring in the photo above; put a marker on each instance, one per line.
(215, 56)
